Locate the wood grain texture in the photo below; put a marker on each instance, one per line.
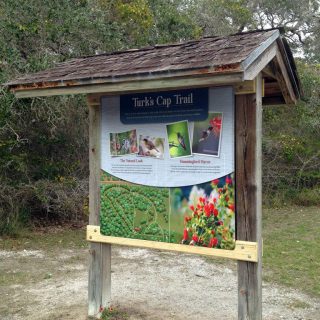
(94, 91)
(201, 56)
(248, 200)
(269, 71)
(244, 250)
(171, 83)
(261, 62)
(284, 80)
(99, 285)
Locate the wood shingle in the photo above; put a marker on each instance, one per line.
(210, 53)
(223, 60)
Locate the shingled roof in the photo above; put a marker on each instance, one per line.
(233, 54)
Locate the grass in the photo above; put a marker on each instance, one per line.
(8, 277)
(291, 247)
(113, 314)
(298, 304)
(46, 239)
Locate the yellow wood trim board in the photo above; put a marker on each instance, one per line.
(244, 250)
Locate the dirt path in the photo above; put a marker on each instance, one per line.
(146, 284)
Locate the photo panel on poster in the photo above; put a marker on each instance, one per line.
(207, 135)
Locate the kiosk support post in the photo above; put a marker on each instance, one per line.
(248, 199)
(99, 286)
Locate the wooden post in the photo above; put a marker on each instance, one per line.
(99, 286)
(248, 199)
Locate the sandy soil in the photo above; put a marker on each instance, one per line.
(145, 284)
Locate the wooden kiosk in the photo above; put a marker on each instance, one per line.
(259, 68)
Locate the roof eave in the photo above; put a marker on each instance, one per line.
(132, 84)
(41, 88)
(272, 53)
(274, 50)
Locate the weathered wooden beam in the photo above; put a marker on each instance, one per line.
(99, 285)
(246, 251)
(136, 86)
(269, 72)
(245, 87)
(261, 62)
(248, 199)
(273, 94)
(284, 80)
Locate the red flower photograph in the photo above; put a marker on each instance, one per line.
(211, 221)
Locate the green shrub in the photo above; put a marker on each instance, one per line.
(308, 197)
(40, 203)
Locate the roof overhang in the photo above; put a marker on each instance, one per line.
(272, 57)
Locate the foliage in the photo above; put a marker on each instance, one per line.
(298, 19)
(221, 17)
(112, 313)
(291, 144)
(41, 202)
(212, 221)
(44, 141)
(173, 22)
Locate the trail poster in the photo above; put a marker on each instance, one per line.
(170, 181)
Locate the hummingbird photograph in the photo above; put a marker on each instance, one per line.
(179, 139)
(206, 138)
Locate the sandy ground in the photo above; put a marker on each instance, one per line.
(145, 284)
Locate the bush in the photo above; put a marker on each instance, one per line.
(291, 144)
(308, 197)
(13, 214)
(42, 202)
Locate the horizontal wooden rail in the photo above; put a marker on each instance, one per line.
(244, 250)
(114, 88)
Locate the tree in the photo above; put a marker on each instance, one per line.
(300, 20)
(221, 17)
(173, 21)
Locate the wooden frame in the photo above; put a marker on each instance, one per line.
(248, 199)
(248, 251)
(244, 250)
(99, 282)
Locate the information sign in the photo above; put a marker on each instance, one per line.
(170, 181)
